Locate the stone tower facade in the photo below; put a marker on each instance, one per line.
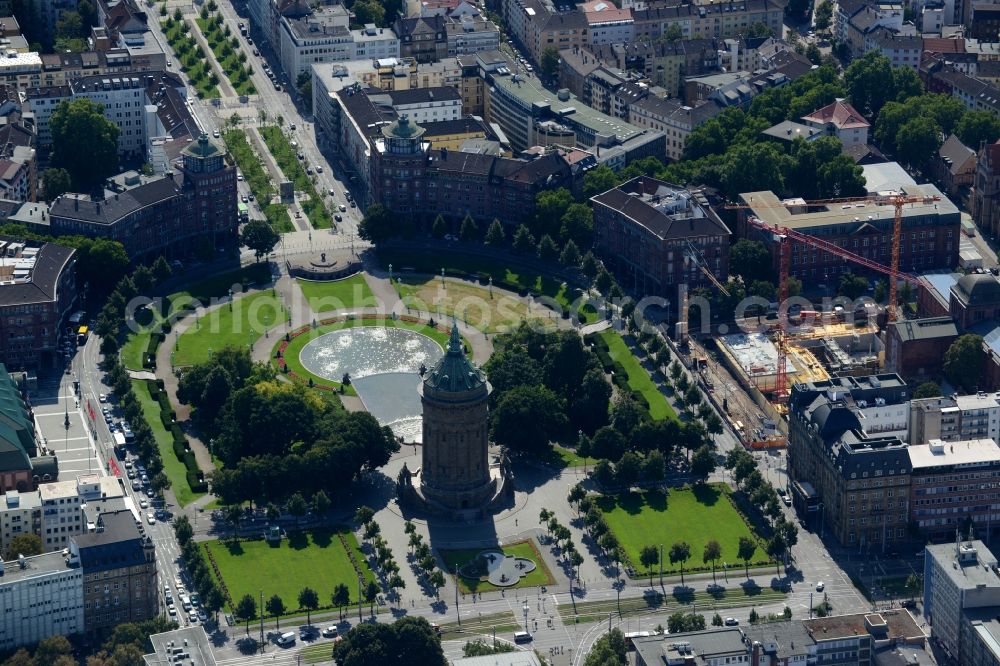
(455, 471)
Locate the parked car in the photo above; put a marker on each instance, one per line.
(732, 622)
(150, 518)
(338, 217)
(330, 631)
(820, 586)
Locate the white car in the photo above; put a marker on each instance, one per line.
(239, 177)
(102, 398)
(343, 208)
(319, 169)
(732, 622)
(172, 610)
(330, 632)
(143, 504)
(150, 518)
(820, 586)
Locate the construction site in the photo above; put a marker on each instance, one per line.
(757, 368)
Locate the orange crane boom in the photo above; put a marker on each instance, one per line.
(784, 234)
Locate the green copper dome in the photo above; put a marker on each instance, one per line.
(453, 372)
(202, 147)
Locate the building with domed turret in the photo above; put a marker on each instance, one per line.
(455, 470)
(173, 214)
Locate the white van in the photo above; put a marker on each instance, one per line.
(522, 637)
(186, 602)
(287, 638)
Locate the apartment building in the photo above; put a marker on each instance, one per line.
(59, 69)
(560, 30)
(644, 230)
(529, 115)
(468, 34)
(915, 348)
(40, 597)
(37, 290)
(955, 166)
(955, 485)
(151, 215)
(841, 120)
(21, 70)
(958, 578)
(985, 198)
(425, 39)
(118, 563)
(930, 232)
(672, 117)
(611, 26)
(716, 20)
(323, 35)
(20, 513)
(860, 483)
(902, 50)
(144, 108)
(63, 504)
(417, 182)
(976, 94)
(955, 418)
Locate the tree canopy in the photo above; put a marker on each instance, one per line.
(84, 142)
(260, 237)
(408, 640)
(271, 432)
(963, 362)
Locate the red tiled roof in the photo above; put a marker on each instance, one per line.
(840, 113)
(942, 45)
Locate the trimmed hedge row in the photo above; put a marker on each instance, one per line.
(182, 449)
(149, 358)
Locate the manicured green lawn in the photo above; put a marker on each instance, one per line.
(226, 326)
(315, 559)
(218, 286)
(294, 348)
(258, 179)
(172, 466)
(228, 57)
(134, 349)
(693, 515)
(352, 292)
(562, 458)
(193, 64)
(638, 379)
(465, 265)
(280, 147)
(525, 549)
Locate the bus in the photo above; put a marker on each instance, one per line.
(244, 211)
(81, 335)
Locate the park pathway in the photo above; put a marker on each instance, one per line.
(165, 370)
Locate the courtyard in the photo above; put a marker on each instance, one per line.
(695, 515)
(320, 559)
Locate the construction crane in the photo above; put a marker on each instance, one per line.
(695, 256)
(784, 234)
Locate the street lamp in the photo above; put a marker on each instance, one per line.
(525, 609)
